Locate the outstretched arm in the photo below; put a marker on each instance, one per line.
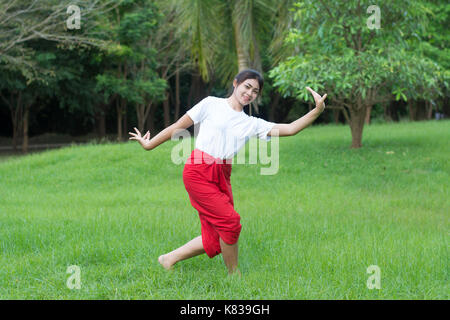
(290, 129)
(183, 123)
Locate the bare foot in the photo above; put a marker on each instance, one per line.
(235, 274)
(164, 262)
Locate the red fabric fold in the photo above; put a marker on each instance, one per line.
(207, 181)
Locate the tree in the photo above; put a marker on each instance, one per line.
(24, 21)
(171, 56)
(436, 47)
(227, 36)
(12, 86)
(28, 71)
(131, 76)
(344, 53)
(20, 95)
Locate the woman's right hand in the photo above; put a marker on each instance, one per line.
(143, 140)
(320, 104)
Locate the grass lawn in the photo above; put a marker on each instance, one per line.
(308, 232)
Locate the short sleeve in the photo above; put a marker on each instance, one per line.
(199, 111)
(262, 128)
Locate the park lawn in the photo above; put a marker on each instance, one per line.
(310, 231)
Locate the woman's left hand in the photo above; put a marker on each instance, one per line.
(320, 104)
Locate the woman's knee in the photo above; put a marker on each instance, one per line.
(227, 246)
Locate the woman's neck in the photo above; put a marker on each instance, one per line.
(234, 103)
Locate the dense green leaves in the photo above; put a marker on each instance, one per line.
(348, 58)
(342, 53)
(135, 53)
(22, 22)
(131, 63)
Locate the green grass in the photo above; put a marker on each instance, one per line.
(309, 232)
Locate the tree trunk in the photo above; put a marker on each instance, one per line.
(273, 106)
(386, 112)
(17, 117)
(119, 119)
(336, 113)
(121, 103)
(197, 91)
(193, 96)
(357, 117)
(445, 106)
(368, 112)
(125, 118)
(140, 116)
(412, 110)
(102, 126)
(166, 110)
(25, 129)
(391, 111)
(177, 95)
(191, 93)
(429, 107)
(150, 120)
(241, 54)
(346, 116)
(100, 119)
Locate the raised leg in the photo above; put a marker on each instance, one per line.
(191, 249)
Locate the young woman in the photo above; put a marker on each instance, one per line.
(224, 129)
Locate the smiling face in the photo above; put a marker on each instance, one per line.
(247, 91)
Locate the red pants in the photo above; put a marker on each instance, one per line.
(207, 181)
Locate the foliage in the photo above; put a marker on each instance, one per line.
(225, 36)
(356, 65)
(126, 48)
(348, 59)
(24, 21)
(130, 73)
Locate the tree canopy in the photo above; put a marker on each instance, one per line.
(143, 63)
(344, 53)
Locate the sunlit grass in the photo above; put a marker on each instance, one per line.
(309, 232)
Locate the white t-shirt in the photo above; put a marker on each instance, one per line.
(224, 131)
